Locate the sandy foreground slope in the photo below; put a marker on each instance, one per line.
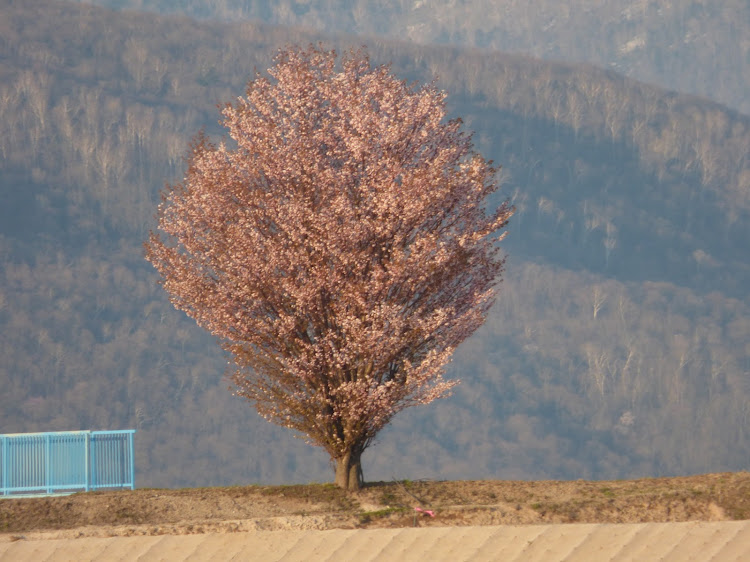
(697, 540)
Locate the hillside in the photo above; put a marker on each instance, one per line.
(699, 47)
(619, 347)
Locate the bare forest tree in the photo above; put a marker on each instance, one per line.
(339, 245)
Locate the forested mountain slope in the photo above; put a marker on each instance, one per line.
(620, 345)
(700, 47)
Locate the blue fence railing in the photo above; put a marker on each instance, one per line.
(66, 461)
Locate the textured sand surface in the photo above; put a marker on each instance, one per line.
(677, 542)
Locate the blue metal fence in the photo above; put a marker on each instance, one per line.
(66, 461)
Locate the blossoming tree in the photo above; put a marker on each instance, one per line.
(338, 244)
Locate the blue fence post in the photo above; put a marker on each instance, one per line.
(87, 460)
(4, 443)
(93, 462)
(132, 459)
(47, 467)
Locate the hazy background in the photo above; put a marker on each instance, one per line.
(620, 344)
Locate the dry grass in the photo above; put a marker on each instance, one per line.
(706, 497)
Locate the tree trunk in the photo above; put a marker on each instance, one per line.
(349, 471)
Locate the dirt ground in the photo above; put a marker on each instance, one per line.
(709, 497)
